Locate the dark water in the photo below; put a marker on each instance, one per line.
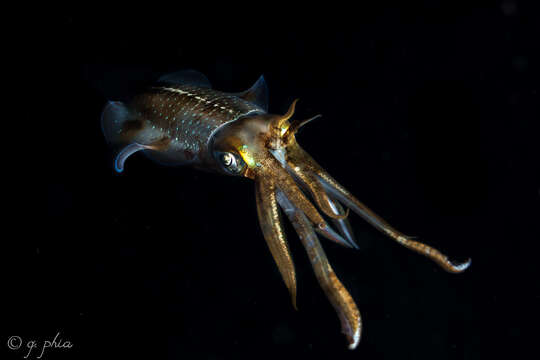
(430, 117)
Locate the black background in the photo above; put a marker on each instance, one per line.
(430, 117)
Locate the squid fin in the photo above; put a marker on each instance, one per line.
(114, 116)
(158, 146)
(125, 153)
(186, 77)
(257, 94)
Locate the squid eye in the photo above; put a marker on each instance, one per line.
(232, 162)
(227, 159)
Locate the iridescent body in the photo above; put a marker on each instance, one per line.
(183, 121)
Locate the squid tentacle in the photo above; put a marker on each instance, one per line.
(285, 182)
(317, 191)
(311, 183)
(296, 125)
(272, 228)
(337, 294)
(346, 198)
(326, 204)
(349, 200)
(330, 234)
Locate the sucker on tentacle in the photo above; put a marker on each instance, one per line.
(182, 120)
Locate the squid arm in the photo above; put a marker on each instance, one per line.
(339, 297)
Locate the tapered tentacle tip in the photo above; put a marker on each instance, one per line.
(353, 337)
(459, 267)
(353, 344)
(330, 234)
(293, 300)
(353, 242)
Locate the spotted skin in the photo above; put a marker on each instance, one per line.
(186, 115)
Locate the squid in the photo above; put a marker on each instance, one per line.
(181, 120)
